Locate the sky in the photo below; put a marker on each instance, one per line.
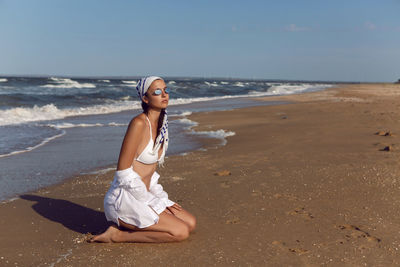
(352, 40)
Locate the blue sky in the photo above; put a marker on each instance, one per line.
(308, 40)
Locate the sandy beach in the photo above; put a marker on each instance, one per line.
(308, 183)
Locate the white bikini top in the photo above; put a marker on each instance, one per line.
(147, 156)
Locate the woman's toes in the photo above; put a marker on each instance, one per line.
(106, 237)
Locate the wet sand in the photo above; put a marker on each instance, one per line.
(302, 184)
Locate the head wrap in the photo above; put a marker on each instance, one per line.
(142, 87)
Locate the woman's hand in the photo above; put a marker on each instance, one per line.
(174, 208)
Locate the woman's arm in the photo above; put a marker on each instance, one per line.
(132, 138)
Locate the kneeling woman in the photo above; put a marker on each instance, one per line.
(136, 203)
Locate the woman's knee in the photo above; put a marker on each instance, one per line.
(180, 232)
(191, 222)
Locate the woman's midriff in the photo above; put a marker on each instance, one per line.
(145, 171)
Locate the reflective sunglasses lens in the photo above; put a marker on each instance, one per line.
(158, 92)
(167, 90)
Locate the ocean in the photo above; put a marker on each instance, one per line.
(52, 128)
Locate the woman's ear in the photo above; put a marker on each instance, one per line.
(145, 99)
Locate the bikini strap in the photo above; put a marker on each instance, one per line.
(151, 136)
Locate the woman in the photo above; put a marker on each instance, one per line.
(136, 204)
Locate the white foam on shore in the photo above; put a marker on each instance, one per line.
(9, 200)
(189, 123)
(287, 89)
(67, 83)
(34, 147)
(219, 134)
(183, 113)
(104, 81)
(101, 171)
(3, 80)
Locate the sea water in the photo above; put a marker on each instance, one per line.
(54, 127)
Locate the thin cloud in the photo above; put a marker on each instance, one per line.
(370, 26)
(295, 28)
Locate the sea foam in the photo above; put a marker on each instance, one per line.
(46, 140)
(66, 83)
(52, 112)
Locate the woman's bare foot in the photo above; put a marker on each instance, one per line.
(107, 237)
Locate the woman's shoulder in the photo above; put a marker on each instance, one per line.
(138, 122)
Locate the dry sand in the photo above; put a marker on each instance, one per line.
(302, 184)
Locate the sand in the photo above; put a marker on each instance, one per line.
(303, 184)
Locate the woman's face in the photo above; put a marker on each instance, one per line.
(157, 101)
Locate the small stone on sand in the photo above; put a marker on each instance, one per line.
(223, 173)
(387, 148)
(389, 133)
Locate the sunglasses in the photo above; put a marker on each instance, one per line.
(159, 91)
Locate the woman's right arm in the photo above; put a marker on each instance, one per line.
(130, 144)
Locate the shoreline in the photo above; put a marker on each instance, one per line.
(72, 154)
(308, 185)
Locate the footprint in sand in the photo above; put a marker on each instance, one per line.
(286, 196)
(301, 212)
(283, 246)
(356, 232)
(225, 184)
(276, 174)
(256, 193)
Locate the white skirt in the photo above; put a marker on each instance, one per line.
(128, 199)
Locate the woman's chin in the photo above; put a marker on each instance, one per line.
(162, 106)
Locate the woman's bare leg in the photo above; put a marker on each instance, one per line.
(185, 216)
(168, 229)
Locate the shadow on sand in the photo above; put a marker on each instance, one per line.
(73, 216)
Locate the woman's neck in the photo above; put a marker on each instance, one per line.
(153, 115)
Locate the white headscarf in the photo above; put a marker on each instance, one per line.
(142, 87)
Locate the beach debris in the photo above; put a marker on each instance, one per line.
(298, 251)
(284, 117)
(283, 246)
(358, 232)
(83, 238)
(234, 220)
(383, 133)
(387, 148)
(177, 178)
(302, 212)
(223, 173)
